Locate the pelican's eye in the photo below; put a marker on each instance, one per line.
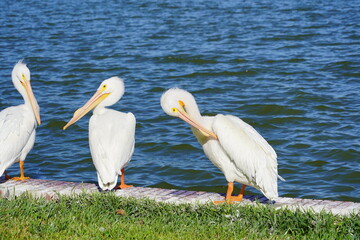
(103, 87)
(174, 110)
(23, 77)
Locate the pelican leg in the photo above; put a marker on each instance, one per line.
(242, 191)
(22, 177)
(122, 179)
(229, 198)
(7, 177)
(228, 193)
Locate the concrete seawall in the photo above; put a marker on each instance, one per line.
(52, 189)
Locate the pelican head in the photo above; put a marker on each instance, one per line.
(21, 80)
(174, 100)
(109, 92)
(179, 103)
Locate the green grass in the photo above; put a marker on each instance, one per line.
(102, 216)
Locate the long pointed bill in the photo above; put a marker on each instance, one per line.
(33, 102)
(184, 116)
(98, 97)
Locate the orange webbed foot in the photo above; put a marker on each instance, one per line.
(230, 200)
(122, 181)
(219, 202)
(19, 178)
(123, 186)
(22, 176)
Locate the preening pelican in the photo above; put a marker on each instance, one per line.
(232, 145)
(111, 133)
(18, 124)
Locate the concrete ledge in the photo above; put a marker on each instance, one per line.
(52, 189)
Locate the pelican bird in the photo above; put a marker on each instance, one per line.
(18, 124)
(111, 133)
(232, 145)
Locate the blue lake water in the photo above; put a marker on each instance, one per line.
(291, 69)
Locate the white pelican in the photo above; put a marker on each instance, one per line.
(232, 145)
(111, 133)
(18, 124)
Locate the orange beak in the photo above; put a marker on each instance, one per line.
(98, 97)
(33, 102)
(184, 116)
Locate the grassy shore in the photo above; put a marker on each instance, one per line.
(102, 216)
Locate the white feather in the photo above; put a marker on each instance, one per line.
(111, 139)
(249, 153)
(111, 133)
(17, 123)
(232, 145)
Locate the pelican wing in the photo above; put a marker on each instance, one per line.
(111, 137)
(124, 142)
(249, 151)
(15, 130)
